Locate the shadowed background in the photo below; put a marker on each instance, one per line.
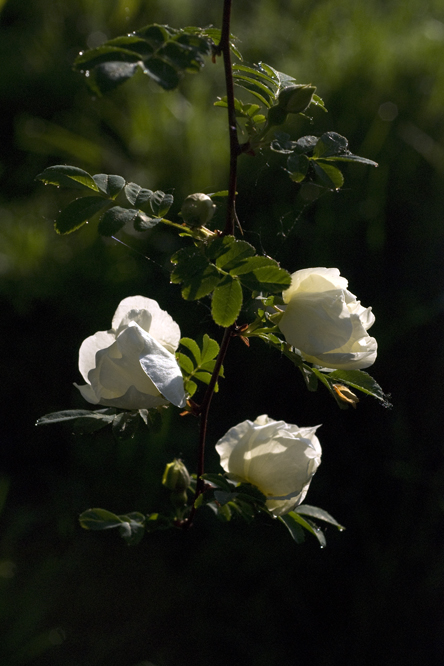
(223, 593)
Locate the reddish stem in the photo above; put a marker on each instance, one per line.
(235, 150)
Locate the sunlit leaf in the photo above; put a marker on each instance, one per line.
(348, 157)
(330, 143)
(266, 278)
(82, 420)
(293, 527)
(362, 381)
(137, 195)
(78, 212)
(63, 175)
(109, 185)
(310, 527)
(193, 347)
(162, 53)
(131, 526)
(227, 252)
(227, 301)
(161, 203)
(320, 514)
(328, 175)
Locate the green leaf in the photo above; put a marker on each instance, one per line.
(77, 213)
(309, 376)
(328, 175)
(293, 527)
(193, 347)
(162, 53)
(143, 223)
(83, 420)
(258, 72)
(227, 302)
(263, 81)
(330, 143)
(136, 195)
(318, 101)
(250, 492)
(210, 349)
(202, 365)
(161, 203)
(109, 185)
(190, 387)
(186, 364)
(198, 276)
(223, 497)
(251, 264)
(361, 381)
(201, 284)
(267, 278)
(63, 175)
(107, 76)
(204, 377)
(228, 252)
(131, 526)
(305, 144)
(282, 143)
(220, 193)
(348, 157)
(219, 481)
(114, 219)
(99, 519)
(310, 527)
(320, 375)
(320, 514)
(260, 91)
(298, 166)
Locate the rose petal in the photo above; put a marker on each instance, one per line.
(163, 370)
(162, 326)
(317, 323)
(90, 347)
(277, 457)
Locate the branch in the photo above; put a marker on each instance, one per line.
(235, 149)
(204, 409)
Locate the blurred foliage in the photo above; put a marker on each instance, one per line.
(69, 597)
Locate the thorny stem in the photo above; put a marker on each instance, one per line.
(235, 150)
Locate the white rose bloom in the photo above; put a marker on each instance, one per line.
(326, 322)
(132, 366)
(277, 457)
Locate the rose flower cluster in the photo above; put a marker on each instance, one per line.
(133, 366)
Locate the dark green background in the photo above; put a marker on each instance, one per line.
(241, 594)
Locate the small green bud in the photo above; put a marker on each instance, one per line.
(197, 209)
(296, 98)
(276, 115)
(176, 477)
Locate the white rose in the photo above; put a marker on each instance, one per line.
(326, 322)
(132, 366)
(277, 457)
